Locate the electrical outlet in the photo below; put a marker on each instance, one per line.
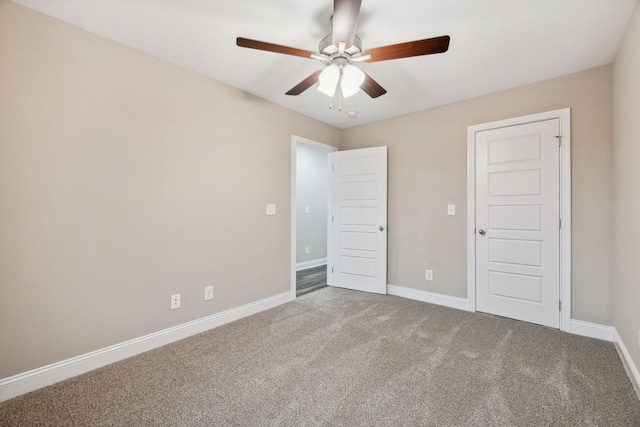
(306, 250)
(175, 301)
(451, 209)
(208, 293)
(271, 209)
(428, 274)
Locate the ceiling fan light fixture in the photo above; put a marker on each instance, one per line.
(341, 49)
(328, 79)
(352, 79)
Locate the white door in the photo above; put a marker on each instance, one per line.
(518, 221)
(358, 257)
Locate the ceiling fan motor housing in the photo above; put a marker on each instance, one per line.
(326, 47)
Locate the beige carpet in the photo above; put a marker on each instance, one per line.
(337, 357)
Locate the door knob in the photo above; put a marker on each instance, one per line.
(381, 228)
(481, 231)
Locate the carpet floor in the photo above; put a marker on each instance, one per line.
(344, 358)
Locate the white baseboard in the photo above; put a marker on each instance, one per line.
(311, 264)
(50, 374)
(430, 297)
(632, 369)
(592, 330)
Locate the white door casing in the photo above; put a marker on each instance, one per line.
(358, 259)
(519, 192)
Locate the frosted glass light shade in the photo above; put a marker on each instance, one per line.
(329, 80)
(352, 79)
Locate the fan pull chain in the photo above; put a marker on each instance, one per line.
(340, 91)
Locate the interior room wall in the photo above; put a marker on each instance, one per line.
(125, 179)
(428, 170)
(626, 186)
(312, 191)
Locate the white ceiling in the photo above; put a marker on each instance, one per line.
(495, 44)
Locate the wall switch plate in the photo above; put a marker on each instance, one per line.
(175, 301)
(451, 209)
(208, 293)
(306, 250)
(271, 209)
(428, 274)
(306, 209)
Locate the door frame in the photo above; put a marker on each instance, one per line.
(294, 156)
(564, 117)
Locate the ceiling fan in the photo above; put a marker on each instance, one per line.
(342, 49)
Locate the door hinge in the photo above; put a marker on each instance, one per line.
(331, 270)
(560, 220)
(559, 140)
(559, 305)
(332, 218)
(333, 167)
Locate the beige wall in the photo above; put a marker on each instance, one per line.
(124, 179)
(427, 170)
(626, 182)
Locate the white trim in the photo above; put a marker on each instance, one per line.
(564, 116)
(311, 264)
(565, 215)
(330, 219)
(430, 297)
(50, 374)
(592, 330)
(632, 369)
(294, 155)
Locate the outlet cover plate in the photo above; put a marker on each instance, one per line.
(175, 301)
(208, 293)
(428, 274)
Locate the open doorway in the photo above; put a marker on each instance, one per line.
(309, 214)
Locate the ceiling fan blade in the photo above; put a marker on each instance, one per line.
(271, 47)
(371, 87)
(345, 21)
(305, 84)
(409, 49)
